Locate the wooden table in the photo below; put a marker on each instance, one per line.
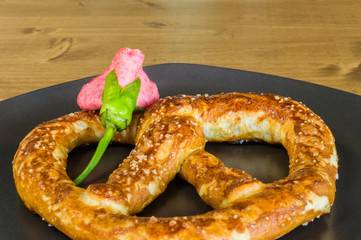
(43, 43)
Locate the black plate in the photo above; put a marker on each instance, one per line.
(340, 110)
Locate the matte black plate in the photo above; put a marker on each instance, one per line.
(340, 110)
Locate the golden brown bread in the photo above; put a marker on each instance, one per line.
(169, 139)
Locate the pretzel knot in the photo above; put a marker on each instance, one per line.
(169, 140)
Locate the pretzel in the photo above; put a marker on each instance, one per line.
(169, 139)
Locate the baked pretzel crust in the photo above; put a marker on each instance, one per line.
(169, 139)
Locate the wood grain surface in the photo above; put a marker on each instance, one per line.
(43, 43)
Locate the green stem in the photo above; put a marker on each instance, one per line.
(102, 145)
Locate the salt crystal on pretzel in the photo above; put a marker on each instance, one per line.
(127, 64)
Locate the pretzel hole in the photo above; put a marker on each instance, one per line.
(264, 161)
(80, 156)
(179, 199)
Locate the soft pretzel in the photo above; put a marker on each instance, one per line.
(169, 139)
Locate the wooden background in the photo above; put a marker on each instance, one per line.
(43, 43)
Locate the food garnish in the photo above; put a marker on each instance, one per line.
(117, 104)
(115, 115)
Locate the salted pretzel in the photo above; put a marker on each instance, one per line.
(169, 139)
